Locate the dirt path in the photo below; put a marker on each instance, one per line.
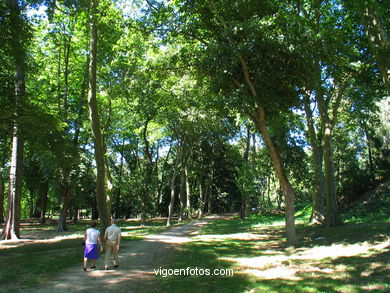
(137, 261)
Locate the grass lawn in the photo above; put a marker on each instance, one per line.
(354, 257)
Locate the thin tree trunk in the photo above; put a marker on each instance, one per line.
(183, 190)
(209, 193)
(159, 190)
(182, 194)
(145, 197)
(43, 202)
(12, 224)
(369, 151)
(2, 192)
(288, 191)
(201, 198)
(102, 198)
(173, 183)
(118, 190)
(318, 199)
(188, 193)
(259, 118)
(2, 181)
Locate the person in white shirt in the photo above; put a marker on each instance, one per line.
(91, 240)
(112, 239)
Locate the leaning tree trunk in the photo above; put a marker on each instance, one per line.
(258, 117)
(288, 191)
(12, 224)
(102, 198)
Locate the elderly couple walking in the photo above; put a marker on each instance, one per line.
(112, 239)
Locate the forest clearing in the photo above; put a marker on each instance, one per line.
(239, 145)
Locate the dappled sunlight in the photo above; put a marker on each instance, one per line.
(340, 250)
(235, 236)
(315, 261)
(168, 239)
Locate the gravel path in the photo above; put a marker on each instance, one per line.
(138, 261)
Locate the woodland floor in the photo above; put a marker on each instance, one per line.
(137, 261)
(353, 258)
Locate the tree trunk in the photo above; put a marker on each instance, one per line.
(2, 192)
(201, 198)
(66, 194)
(182, 194)
(244, 199)
(12, 224)
(332, 217)
(43, 202)
(188, 193)
(173, 183)
(209, 193)
(259, 119)
(146, 195)
(318, 199)
(102, 198)
(183, 190)
(369, 151)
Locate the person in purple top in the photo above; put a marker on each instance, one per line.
(91, 240)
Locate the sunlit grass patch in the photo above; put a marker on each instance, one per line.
(350, 258)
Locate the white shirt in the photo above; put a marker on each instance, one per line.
(113, 232)
(92, 236)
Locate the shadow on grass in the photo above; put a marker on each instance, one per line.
(363, 271)
(28, 265)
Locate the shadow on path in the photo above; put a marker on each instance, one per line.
(138, 261)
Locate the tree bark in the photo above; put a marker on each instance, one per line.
(2, 192)
(258, 117)
(43, 202)
(188, 193)
(65, 194)
(332, 217)
(318, 199)
(244, 199)
(12, 224)
(102, 198)
(146, 195)
(173, 183)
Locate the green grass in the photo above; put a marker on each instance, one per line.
(354, 257)
(255, 249)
